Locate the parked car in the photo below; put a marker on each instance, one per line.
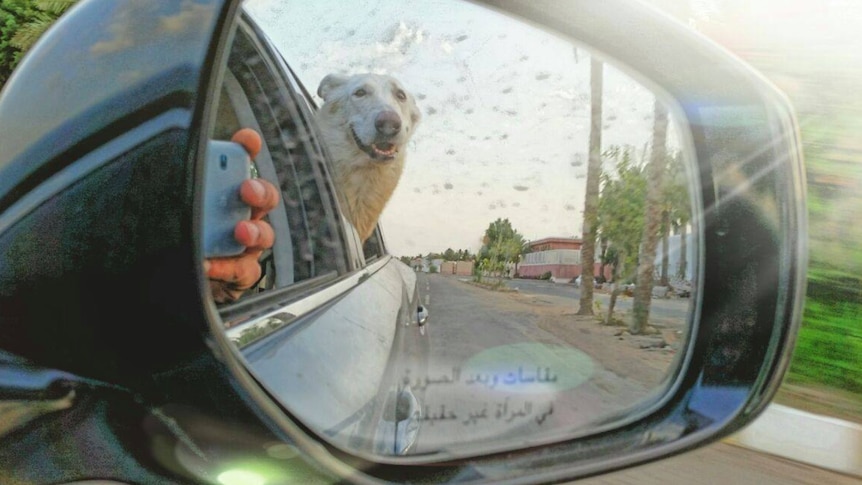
(118, 365)
(597, 282)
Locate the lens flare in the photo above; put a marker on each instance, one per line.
(240, 477)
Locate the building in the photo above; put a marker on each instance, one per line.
(554, 243)
(464, 268)
(458, 268)
(559, 256)
(675, 257)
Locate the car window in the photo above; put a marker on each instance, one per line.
(309, 238)
(373, 247)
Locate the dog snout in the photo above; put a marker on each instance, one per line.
(388, 123)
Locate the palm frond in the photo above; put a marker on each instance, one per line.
(54, 7)
(28, 34)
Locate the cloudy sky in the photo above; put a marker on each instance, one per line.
(505, 111)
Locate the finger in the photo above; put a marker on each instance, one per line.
(254, 235)
(260, 195)
(249, 139)
(223, 293)
(240, 272)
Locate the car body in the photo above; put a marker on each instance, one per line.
(118, 365)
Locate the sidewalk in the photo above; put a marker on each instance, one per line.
(805, 437)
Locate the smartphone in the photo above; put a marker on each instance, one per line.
(227, 166)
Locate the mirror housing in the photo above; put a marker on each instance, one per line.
(115, 115)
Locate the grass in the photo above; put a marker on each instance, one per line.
(829, 346)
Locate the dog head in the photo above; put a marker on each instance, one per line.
(374, 111)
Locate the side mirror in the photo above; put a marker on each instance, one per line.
(110, 333)
(746, 187)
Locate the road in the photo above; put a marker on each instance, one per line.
(476, 337)
(495, 372)
(669, 311)
(721, 464)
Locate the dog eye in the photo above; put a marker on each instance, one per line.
(401, 95)
(359, 93)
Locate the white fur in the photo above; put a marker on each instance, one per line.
(351, 105)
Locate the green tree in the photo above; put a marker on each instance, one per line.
(621, 209)
(22, 22)
(501, 244)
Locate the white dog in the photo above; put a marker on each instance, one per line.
(366, 121)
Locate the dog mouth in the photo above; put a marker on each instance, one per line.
(376, 150)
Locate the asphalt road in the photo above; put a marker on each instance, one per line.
(668, 311)
(496, 374)
(722, 464)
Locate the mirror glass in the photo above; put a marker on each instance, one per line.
(477, 334)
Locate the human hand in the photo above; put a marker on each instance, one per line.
(231, 277)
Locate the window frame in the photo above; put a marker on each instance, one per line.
(293, 100)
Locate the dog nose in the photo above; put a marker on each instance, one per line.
(388, 123)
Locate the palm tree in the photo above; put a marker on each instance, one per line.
(591, 203)
(48, 11)
(675, 194)
(21, 24)
(652, 222)
(678, 208)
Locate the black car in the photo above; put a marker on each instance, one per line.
(116, 363)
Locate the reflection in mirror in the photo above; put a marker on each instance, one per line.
(529, 150)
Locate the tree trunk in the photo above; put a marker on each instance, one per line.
(682, 271)
(591, 204)
(618, 269)
(611, 304)
(665, 248)
(652, 223)
(602, 259)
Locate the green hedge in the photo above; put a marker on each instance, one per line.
(21, 24)
(829, 346)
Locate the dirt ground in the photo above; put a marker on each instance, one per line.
(642, 358)
(647, 359)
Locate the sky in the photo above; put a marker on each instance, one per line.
(506, 111)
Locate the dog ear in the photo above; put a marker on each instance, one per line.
(329, 83)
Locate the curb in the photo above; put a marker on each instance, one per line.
(805, 437)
